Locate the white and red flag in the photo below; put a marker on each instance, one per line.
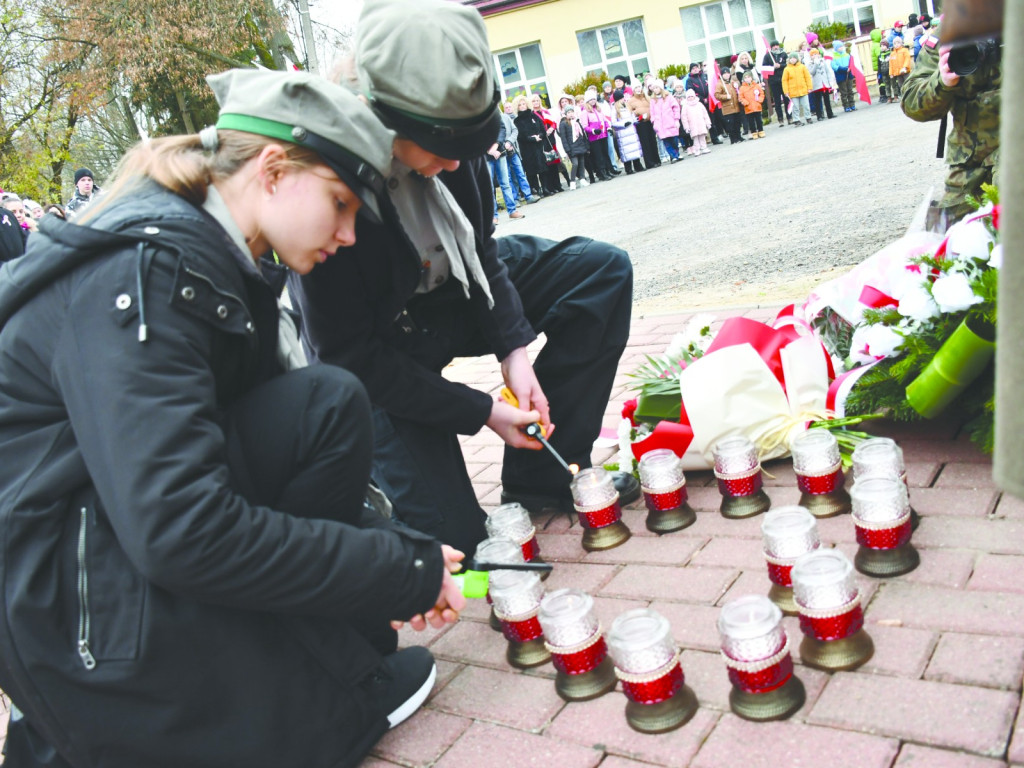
(858, 75)
(761, 49)
(714, 75)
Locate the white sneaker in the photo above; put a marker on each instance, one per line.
(584, 182)
(705, 151)
(572, 185)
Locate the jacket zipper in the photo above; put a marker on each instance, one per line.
(83, 598)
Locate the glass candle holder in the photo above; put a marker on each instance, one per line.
(823, 580)
(878, 457)
(789, 532)
(664, 487)
(815, 451)
(641, 641)
(879, 500)
(735, 455)
(597, 505)
(499, 549)
(515, 593)
(738, 471)
(578, 651)
(512, 521)
(593, 487)
(750, 628)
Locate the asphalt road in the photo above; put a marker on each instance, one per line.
(760, 222)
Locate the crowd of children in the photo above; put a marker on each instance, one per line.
(597, 135)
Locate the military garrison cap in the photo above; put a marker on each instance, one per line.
(312, 112)
(427, 69)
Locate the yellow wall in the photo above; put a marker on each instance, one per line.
(555, 24)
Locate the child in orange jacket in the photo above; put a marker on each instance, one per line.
(752, 97)
(900, 64)
(796, 84)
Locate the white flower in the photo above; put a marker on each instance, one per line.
(625, 457)
(873, 342)
(917, 304)
(996, 259)
(952, 292)
(969, 240)
(691, 337)
(675, 347)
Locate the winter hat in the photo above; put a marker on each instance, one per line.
(912, 20)
(839, 45)
(775, 43)
(590, 95)
(793, 56)
(884, 42)
(569, 108)
(623, 78)
(81, 173)
(606, 84)
(690, 92)
(619, 94)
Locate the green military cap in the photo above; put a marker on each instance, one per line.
(312, 112)
(427, 69)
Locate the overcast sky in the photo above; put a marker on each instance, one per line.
(336, 13)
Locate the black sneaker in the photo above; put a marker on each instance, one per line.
(402, 682)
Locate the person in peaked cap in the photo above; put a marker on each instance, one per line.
(396, 307)
(196, 577)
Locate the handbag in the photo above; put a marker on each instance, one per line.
(551, 156)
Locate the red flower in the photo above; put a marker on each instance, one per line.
(628, 409)
(996, 212)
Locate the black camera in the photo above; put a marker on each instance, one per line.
(966, 59)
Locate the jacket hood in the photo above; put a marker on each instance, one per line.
(876, 35)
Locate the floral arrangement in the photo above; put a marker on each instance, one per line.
(902, 335)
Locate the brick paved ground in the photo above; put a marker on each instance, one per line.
(942, 691)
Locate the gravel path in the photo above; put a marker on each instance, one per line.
(759, 222)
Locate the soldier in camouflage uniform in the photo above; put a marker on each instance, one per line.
(972, 151)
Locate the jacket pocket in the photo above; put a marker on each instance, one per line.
(110, 594)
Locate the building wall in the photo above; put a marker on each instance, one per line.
(554, 25)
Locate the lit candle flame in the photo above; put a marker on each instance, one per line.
(574, 468)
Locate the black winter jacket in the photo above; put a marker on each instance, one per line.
(360, 311)
(152, 616)
(12, 236)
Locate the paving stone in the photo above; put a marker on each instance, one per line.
(1005, 537)
(744, 554)
(999, 573)
(446, 670)
(948, 610)
(507, 698)
(652, 582)
(954, 501)
(1015, 754)
(488, 495)
(408, 636)
(960, 717)
(939, 430)
(489, 474)
(558, 547)
(614, 761)
(498, 747)
(607, 609)
(944, 450)
(922, 474)
(376, 762)
(588, 577)
(601, 724)
(1009, 506)
(944, 568)
(993, 662)
(917, 756)
(836, 530)
(963, 475)
(421, 739)
(472, 642)
(749, 583)
(900, 651)
(737, 743)
(636, 520)
(661, 550)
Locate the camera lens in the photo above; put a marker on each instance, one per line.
(964, 60)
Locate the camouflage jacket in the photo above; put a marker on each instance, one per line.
(974, 102)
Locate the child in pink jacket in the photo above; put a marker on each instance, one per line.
(696, 122)
(665, 119)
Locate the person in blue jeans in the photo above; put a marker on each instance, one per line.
(499, 176)
(516, 174)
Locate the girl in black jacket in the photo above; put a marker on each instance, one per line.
(192, 575)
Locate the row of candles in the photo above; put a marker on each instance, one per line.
(815, 583)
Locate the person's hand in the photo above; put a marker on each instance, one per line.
(450, 600)
(493, 151)
(508, 146)
(949, 78)
(519, 376)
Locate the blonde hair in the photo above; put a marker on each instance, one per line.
(181, 165)
(520, 98)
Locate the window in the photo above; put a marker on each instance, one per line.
(521, 70)
(720, 29)
(857, 15)
(615, 50)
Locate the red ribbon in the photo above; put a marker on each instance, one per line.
(666, 434)
(885, 538)
(581, 661)
(874, 298)
(530, 549)
(656, 691)
(521, 631)
(820, 484)
(659, 502)
(780, 574)
(833, 627)
(765, 680)
(601, 518)
(741, 486)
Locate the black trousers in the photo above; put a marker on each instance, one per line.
(821, 101)
(300, 444)
(578, 293)
(733, 123)
(754, 123)
(780, 100)
(648, 143)
(602, 163)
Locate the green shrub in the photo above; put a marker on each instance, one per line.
(577, 87)
(679, 70)
(827, 32)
